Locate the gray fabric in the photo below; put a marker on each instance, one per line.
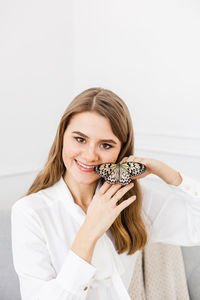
(9, 285)
(159, 274)
(191, 256)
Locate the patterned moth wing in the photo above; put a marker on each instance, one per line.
(119, 172)
(129, 169)
(109, 171)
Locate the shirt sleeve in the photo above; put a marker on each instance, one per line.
(37, 276)
(174, 212)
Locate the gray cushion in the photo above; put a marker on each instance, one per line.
(191, 256)
(9, 284)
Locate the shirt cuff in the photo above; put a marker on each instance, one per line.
(76, 274)
(189, 185)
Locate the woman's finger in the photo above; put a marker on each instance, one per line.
(112, 188)
(121, 192)
(125, 203)
(105, 186)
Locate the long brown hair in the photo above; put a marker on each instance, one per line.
(128, 229)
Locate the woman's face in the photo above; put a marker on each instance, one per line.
(89, 140)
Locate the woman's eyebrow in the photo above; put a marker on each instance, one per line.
(85, 136)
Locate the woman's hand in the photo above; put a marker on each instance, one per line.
(103, 209)
(156, 167)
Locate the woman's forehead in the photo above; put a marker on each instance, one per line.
(89, 120)
(91, 124)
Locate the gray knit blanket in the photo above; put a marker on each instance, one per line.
(159, 274)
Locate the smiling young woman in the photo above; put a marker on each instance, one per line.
(103, 114)
(73, 233)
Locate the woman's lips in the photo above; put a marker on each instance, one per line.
(84, 169)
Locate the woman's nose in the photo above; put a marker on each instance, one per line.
(91, 154)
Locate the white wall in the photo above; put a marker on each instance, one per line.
(145, 51)
(35, 78)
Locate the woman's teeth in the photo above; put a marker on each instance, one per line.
(85, 166)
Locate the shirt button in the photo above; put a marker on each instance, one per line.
(85, 288)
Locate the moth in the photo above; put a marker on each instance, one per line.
(113, 173)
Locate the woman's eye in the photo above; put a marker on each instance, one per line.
(80, 140)
(109, 146)
(76, 138)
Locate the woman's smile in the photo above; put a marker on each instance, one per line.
(83, 167)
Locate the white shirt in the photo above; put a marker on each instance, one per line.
(43, 232)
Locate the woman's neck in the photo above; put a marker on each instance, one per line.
(81, 193)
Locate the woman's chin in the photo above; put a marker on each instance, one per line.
(85, 178)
